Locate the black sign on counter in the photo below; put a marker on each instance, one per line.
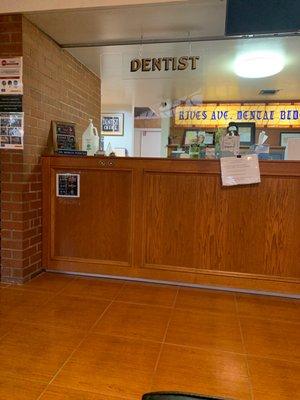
(68, 185)
(64, 137)
(11, 103)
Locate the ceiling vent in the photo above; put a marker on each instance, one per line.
(269, 92)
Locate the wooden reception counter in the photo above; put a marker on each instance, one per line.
(171, 220)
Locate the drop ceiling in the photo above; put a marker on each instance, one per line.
(214, 80)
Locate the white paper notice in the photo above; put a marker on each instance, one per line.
(12, 130)
(240, 171)
(11, 76)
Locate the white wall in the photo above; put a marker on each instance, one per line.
(127, 140)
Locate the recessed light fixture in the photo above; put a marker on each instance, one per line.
(259, 64)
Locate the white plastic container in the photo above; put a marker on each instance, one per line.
(90, 139)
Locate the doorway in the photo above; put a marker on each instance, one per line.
(149, 142)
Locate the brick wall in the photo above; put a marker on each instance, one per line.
(11, 163)
(56, 87)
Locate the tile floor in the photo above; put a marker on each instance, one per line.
(63, 337)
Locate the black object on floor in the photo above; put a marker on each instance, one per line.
(177, 396)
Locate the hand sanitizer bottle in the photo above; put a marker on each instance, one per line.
(90, 139)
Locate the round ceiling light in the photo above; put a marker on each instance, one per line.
(259, 64)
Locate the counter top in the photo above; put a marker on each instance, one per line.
(207, 166)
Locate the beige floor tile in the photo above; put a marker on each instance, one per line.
(269, 307)
(69, 312)
(19, 389)
(274, 379)
(117, 360)
(135, 320)
(111, 366)
(199, 371)
(206, 330)
(35, 353)
(271, 339)
(47, 281)
(148, 294)
(206, 301)
(57, 393)
(94, 288)
(17, 304)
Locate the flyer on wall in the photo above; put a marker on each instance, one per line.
(12, 130)
(11, 75)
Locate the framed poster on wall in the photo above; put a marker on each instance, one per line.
(112, 124)
(68, 185)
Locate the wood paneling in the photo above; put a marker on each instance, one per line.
(97, 226)
(192, 223)
(172, 220)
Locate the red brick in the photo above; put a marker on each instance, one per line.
(35, 240)
(36, 257)
(17, 234)
(10, 27)
(6, 216)
(11, 244)
(16, 158)
(6, 234)
(6, 254)
(6, 156)
(29, 196)
(9, 263)
(4, 37)
(16, 225)
(15, 187)
(35, 187)
(17, 255)
(17, 196)
(5, 178)
(30, 233)
(29, 252)
(35, 204)
(16, 18)
(12, 167)
(5, 196)
(10, 47)
(12, 206)
(16, 37)
(17, 216)
(5, 18)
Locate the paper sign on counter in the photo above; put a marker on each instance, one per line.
(240, 170)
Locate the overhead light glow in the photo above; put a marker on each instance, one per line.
(259, 64)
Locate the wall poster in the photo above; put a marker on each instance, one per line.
(68, 185)
(112, 124)
(12, 130)
(11, 75)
